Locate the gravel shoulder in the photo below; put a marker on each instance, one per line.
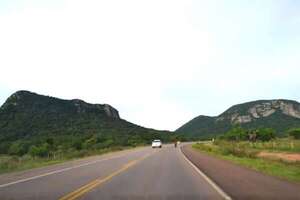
(240, 182)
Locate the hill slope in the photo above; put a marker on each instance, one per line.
(31, 119)
(278, 114)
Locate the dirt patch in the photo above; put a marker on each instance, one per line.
(291, 157)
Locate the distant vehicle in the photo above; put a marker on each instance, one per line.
(156, 144)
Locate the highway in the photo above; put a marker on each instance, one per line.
(142, 173)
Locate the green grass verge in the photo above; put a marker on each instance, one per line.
(16, 163)
(287, 171)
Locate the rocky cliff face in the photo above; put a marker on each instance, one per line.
(83, 107)
(261, 110)
(111, 112)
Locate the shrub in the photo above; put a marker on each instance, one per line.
(295, 133)
(40, 151)
(18, 148)
(237, 133)
(77, 144)
(265, 134)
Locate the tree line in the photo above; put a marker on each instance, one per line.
(238, 133)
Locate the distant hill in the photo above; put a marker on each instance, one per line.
(31, 118)
(278, 114)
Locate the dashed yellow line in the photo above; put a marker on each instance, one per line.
(88, 187)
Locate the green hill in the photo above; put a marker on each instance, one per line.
(28, 119)
(277, 114)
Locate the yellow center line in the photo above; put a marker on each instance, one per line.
(88, 187)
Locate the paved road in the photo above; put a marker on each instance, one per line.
(142, 173)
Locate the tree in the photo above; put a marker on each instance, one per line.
(4, 147)
(265, 134)
(134, 140)
(50, 141)
(40, 151)
(18, 148)
(33, 151)
(294, 132)
(88, 144)
(236, 133)
(77, 144)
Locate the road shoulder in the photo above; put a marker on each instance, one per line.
(240, 182)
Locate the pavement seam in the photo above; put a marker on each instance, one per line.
(208, 180)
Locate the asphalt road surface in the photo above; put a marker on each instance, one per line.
(142, 173)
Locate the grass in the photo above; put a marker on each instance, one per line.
(276, 145)
(13, 163)
(16, 163)
(241, 155)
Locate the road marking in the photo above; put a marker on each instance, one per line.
(58, 171)
(88, 187)
(211, 182)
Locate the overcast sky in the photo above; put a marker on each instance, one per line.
(160, 63)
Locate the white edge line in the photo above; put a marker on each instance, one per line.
(57, 171)
(211, 182)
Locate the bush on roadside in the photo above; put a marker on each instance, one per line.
(240, 134)
(39, 151)
(228, 148)
(236, 134)
(18, 148)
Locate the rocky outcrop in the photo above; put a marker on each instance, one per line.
(82, 107)
(263, 109)
(290, 109)
(111, 112)
(241, 119)
(268, 108)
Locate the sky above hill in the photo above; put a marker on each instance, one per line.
(160, 63)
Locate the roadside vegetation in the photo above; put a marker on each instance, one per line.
(10, 163)
(41, 151)
(259, 150)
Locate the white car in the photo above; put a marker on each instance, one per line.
(156, 144)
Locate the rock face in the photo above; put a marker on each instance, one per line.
(263, 109)
(279, 114)
(241, 119)
(83, 107)
(111, 112)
